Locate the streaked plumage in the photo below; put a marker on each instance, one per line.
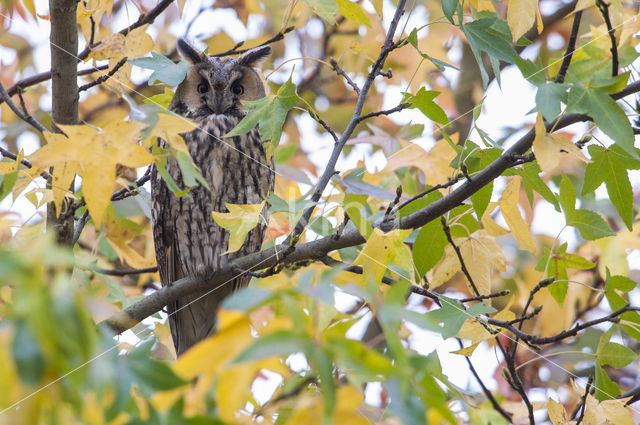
(187, 240)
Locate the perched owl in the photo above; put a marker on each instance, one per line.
(187, 239)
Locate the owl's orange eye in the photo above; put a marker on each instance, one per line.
(203, 88)
(237, 89)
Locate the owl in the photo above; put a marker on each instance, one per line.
(187, 239)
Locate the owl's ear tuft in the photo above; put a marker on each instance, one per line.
(188, 52)
(254, 56)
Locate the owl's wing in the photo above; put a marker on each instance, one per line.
(166, 245)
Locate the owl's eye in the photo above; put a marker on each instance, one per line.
(203, 88)
(237, 89)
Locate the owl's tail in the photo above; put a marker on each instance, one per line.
(193, 318)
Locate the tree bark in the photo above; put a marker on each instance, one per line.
(64, 82)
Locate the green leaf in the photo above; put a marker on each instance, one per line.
(487, 35)
(549, 99)
(353, 205)
(278, 343)
(449, 7)
(269, 113)
(247, 299)
(621, 283)
(360, 359)
(164, 70)
(605, 388)
(530, 173)
(353, 12)
(590, 224)
(285, 153)
(606, 113)
(429, 246)
(27, 354)
(451, 315)
(610, 166)
(567, 196)
(326, 9)
(533, 73)
(615, 355)
(154, 373)
(423, 100)
(163, 99)
(189, 171)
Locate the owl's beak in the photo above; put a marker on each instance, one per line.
(221, 104)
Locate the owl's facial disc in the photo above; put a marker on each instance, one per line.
(221, 94)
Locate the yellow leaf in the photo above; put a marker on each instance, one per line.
(120, 232)
(616, 411)
(353, 12)
(209, 355)
(492, 228)
(235, 385)
(170, 127)
(141, 403)
(309, 408)
(509, 208)
(239, 221)
(583, 4)
(557, 414)
(481, 254)
(383, 249)
(434, 163)
(480, 5)
(98, 152)
(521, 15)
(466, 351)
(63, 176)
(551, 148)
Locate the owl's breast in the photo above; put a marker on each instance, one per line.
(235, 168)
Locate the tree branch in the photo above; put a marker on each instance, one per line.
(328, 173)
(318, 249)
(604, 9)
(24, 116)
(571, 47)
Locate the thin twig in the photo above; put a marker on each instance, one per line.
(497, 407)
(487, 296)
(328, 173)
(604, 9)
(234, 50)
(24, 116)
(392, 204)
(463, 266)
(332, 262)
(571, 47)
(449, 183)
(398, 108)
(124, 272)
(104, 77)
(79, 227)
(534, 339)
(344, 75)
(583, 401)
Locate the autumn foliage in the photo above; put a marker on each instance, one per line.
(428, 259)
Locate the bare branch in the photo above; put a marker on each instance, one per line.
(344, 75)
(398, 108)
(24, 116)
(571, 46)
(604, 9)
(104, 77)
(328, 173)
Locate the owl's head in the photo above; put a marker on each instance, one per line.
(217, 85)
